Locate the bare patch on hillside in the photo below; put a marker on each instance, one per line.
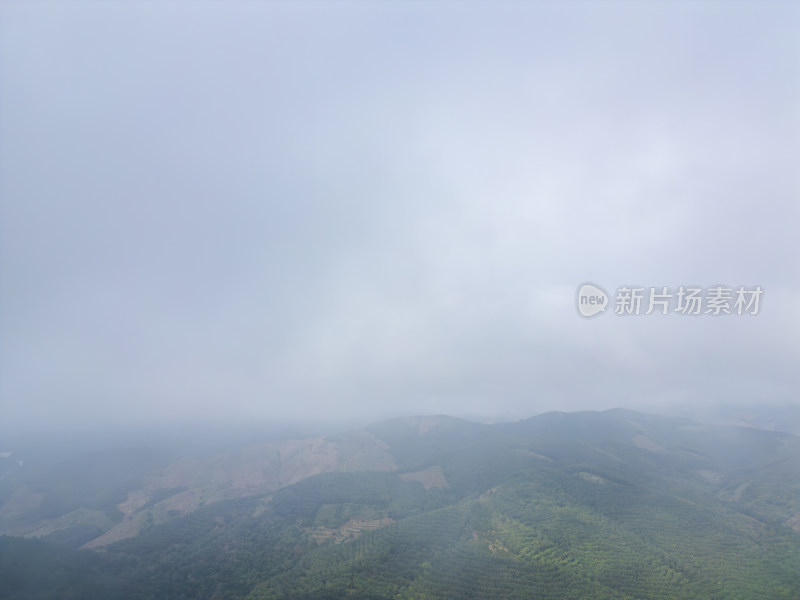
(534, 454)
(352, 529)
(739, 491)
(794, 522)
(81, 516)
(646, 443)
(592, 477)
(432, 477)
(257, 469)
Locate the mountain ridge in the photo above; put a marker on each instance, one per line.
(590, 505)
(443, 451)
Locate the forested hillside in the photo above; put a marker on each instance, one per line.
(610, 505)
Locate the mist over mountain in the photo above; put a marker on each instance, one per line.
(401, 300)
(611, 504)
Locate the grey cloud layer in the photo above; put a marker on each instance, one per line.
(252, 209)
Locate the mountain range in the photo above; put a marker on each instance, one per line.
(614, 504)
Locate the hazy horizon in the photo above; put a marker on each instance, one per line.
(240, 212)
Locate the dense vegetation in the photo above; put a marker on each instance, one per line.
(563, 506)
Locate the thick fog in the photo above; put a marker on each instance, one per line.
(232, 212)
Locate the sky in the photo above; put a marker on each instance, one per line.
(250, 211)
